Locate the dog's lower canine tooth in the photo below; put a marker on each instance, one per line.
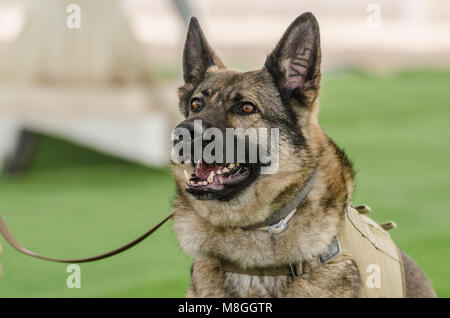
(211, 177)
(205, 182)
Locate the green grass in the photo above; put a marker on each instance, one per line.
(76, 203)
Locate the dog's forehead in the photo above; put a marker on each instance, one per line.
(233, 85)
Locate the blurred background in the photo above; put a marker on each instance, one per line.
(88, 99)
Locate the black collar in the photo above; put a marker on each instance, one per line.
(277, 216)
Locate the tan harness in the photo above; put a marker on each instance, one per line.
(377, 257)
(360, 239)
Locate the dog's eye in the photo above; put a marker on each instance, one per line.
(196, 104)
(247, 108)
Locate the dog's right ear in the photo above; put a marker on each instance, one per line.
(197, 55)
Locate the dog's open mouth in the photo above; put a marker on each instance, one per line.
(217, 180)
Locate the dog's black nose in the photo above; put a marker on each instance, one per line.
(189, 134)
(194, 128)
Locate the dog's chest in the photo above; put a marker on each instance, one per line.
(242, 285)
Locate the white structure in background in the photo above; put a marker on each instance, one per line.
(90, 84)
(412, 33)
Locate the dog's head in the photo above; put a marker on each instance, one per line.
(225, 189)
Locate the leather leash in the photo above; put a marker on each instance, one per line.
(275, 217)
(14, 243)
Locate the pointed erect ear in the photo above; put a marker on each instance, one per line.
(197, 55)
(295, 62)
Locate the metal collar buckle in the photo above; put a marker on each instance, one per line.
(277, 228)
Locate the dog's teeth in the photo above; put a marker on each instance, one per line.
(211, 177)
(238, 164)
(186, 175)
(225, 170)
(231, 165)
(219, 172)
(205, 183)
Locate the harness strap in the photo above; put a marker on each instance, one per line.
(14, 243)
(333, 252)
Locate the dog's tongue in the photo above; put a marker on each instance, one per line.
(203, 170)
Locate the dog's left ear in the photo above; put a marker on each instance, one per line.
(295, 62)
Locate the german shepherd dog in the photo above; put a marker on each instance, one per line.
(219, 205)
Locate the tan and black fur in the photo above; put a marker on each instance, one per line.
(285, 91)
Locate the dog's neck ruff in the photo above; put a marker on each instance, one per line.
(293, 269)
(277, 222)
